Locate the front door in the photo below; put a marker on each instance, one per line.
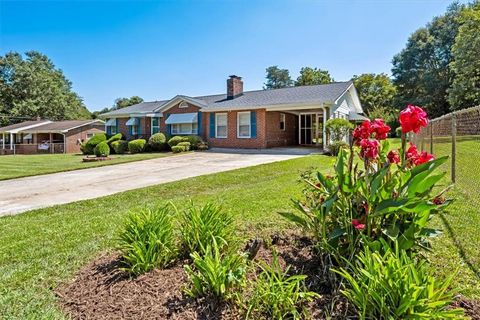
(310, 129)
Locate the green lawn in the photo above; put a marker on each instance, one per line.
(42, 248)
(16, 166)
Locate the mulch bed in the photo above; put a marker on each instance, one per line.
(101, 291)
(94, 159)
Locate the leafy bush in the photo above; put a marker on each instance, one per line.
(147, 240)
(115, 137)
(136, 146)
(176, 140)
(184, 144)
(178, 149)
(158, 142)
(119, 146)
(336, 146)
(392, 198)
(199, 226)
(215, 273)
(277, 295)
(202, 146)
(91, 143)
(102, 149)
(194, 141)
(338, 128)
(395, 286)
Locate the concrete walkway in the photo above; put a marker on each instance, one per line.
(23, 194)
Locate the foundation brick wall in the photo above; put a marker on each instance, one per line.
(232, 141)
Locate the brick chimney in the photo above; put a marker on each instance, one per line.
(234, 87)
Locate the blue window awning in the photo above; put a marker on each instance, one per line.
(111, 123)
(182, 118)
(132, 122)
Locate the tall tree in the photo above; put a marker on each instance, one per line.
(311, 76)
(277, 78)
(465, 91)
(126, 102)
(376, 93)
(421, 71)
(34, 87)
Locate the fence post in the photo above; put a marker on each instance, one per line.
(431, 137)
(454, 144)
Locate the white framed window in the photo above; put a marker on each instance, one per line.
(243, 125)
(155, 125)
(89, 135)
(183, 104)
(134, 129)
(185, 128)
(282, 121)
(220, 125)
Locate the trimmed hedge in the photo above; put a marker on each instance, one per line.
(102, 149)
(136, 146)
(158, 142)
(185, 144)
(89, 146)
(194, 141)
(178, 149)
(120, 146)
(176, 140)
(115, 137)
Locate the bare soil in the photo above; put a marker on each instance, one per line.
(102, 291)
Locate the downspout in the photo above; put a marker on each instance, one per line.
(324, 131)
(3, 140)
(11, 141)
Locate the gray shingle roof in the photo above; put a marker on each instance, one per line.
(60, 126)
(21, 125)
(315, 94)
(140, 108)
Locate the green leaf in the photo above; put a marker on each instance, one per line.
(389, 205)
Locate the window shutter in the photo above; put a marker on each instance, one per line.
(139, 128)
(169, 129)
(117, 130)
(108, 128)
(212, 125)
(199, 124)
(253, 124)
(130, 132)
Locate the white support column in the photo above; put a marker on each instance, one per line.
(299, 128)
(324, 138)
(11, 141)
(3, 140)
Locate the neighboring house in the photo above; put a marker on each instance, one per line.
(44, 136)
(238, 119)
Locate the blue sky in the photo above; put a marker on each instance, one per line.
(157, 49)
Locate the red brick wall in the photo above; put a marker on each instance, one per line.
(145, 127)
(277, 137)
(176, 110)
(232, 141)
(72, 137)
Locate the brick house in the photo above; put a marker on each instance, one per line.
(243, 119)
(44, 136)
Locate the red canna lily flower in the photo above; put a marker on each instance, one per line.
(393, 156)
(380, 129)
(363, 131)
(422, 158)
(369, 148)
(357, 225)
(412, 119)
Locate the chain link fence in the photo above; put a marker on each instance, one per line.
(457, 135)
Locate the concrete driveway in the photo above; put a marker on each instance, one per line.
(23, 194)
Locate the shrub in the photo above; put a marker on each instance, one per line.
(395, 286)
(194, 141)
(119, 146)
(338, 128)
(277, 295)
(336, 146)
(115, 137)
(178, 149)
(92, 143)
(199, 226)
(158, 142)
(176, 140)
(215, 273)
(392, 198)
(136, 146)
(202, 146)
(147, 240)
(102, 149)
(185, 144)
